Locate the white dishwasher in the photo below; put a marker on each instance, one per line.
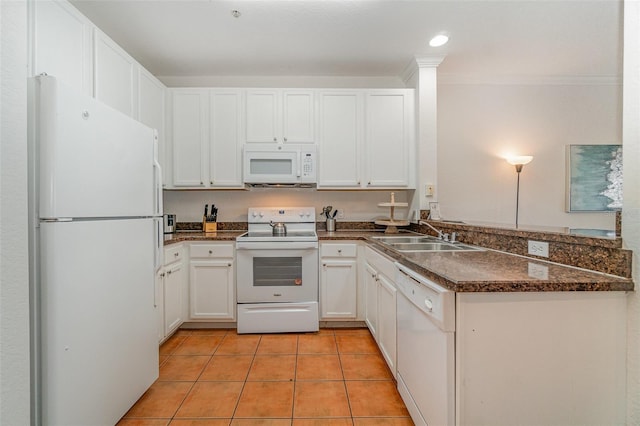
(426, 348)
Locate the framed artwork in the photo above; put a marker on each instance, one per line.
(594, 178)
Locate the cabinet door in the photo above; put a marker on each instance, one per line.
(189, 136)
(62, 44)
(371, 294)
(174, 281)
(387, 139)
(338, 288)
(212, 289)
(339, 144)
(158, 303)
(115, 75)
(151, 94)
(387, 321)
(263, 116)
(225, 141)
(298, 116)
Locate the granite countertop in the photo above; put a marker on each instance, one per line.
(472, 271)
(181, 236)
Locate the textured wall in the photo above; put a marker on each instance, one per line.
(14, 278)
(631, 209)
(480, 123)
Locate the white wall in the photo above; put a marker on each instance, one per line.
(478, 124)
(631, 192)
(14, 268)
(233, 205)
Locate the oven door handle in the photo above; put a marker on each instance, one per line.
(284, 245)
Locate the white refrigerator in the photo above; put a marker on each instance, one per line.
(98, 244)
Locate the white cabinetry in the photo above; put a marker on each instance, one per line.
(212, 281)
(381, 303)
(115, 75)
(151, 101)
(225, 138)
(62, 44)
(206, 137)
(366, 139)
(170, 291)
(389, 130)
(338, 280)
(189, 134)
(280, 116)
(340, 139)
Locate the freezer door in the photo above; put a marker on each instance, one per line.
(93, 160)
(98, 344)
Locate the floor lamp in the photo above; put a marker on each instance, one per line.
(519, 162)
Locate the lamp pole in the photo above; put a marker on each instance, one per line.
(518, 170)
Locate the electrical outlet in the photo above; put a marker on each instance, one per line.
(538, 271)
(539, 248)
(340, 214)
(428, 190)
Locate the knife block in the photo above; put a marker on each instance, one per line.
(209, 226)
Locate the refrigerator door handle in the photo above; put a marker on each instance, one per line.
(157, 179)
(159, 245)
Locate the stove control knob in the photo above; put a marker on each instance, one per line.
(254, 214)
(261, 214)
(308, 214)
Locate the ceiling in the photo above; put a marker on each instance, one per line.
(365, 37)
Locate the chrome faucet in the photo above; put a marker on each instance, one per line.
(440, 233)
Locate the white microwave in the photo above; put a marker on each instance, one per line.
(293, 165)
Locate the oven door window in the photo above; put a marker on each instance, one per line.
(277, 271)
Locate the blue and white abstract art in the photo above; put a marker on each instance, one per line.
(594, 178)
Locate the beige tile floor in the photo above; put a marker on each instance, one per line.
(217, 377)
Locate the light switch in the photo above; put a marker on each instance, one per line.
(428, 190)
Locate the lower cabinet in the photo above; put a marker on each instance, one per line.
(338, 281)
(387, 321)
(170, 292)
(380, 311)
(212, 282)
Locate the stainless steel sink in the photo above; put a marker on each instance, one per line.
(423, 244)
(396, 240)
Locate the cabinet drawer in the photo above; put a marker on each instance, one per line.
(173, 253)
(338, 250)
(381, 262)
(212, 250)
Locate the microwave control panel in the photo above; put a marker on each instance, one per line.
(308, 164)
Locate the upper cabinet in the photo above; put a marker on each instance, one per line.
(366, 139)
(189, 124)
(116, 75)
(151, 103)
(280, 116)
(62, 44)
(389, 130)
(206, 138)
(340, 132)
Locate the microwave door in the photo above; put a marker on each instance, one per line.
(272, 167)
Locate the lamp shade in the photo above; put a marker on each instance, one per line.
(520, 160)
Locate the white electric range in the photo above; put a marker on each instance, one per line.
(277, 273)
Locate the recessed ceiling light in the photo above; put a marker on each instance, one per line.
(438, 40)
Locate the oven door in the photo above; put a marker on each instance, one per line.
(277, 272)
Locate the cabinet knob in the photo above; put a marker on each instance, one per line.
(229, 265)
(168, 272)
(211, 182)
(210, 252)
(369, 183)
(201, 183)
(275, 139)
(285, 139)
(175, 254)
(339, 250)
(324, 264)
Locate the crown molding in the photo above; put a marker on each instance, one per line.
(530, 80)
(420, 61)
